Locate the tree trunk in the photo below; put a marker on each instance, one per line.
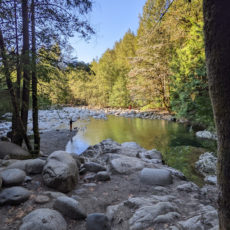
(16, 137)
(34, 83)
(25, 64)
(217, 47)
(12, 92)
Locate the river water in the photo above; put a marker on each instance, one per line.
(180, 147)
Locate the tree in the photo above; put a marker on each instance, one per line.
(217, 48)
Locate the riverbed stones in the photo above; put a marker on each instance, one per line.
(69, 207)
(60, 171)
(11, 177)
(94, 167)
(151, 176)
(45, 219)
(14, 195)
(97, 221)
(125, 164)
(12, 150)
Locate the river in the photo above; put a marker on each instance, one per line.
(180, 147)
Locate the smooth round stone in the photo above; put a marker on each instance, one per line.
(11, 177)
(44, 219)
(70, 208)
(155, 176)
(42, 199)
(13, 150)
(14, 195)
(97, 221)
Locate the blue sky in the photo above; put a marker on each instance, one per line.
(111, 19)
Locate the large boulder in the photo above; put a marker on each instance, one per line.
(45, 219)
(125, 164)
(69, 207)
(14, 195)
(155, 176)
(60, 171)
(11, 177)
(12, 150)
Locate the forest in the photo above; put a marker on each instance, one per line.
(160, 66)
(177, 57)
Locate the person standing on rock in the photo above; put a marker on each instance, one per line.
(71, 125)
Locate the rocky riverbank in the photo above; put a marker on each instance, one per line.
(109, 186)
(57, 119)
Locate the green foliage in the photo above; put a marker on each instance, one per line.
(162, 67)
(189, 86)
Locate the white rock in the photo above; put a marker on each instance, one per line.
(206, 164)
(206, 135)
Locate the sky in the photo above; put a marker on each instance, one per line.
(110, 19)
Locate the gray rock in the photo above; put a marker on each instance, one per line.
(102, 176)
(45, 219)
(207, 219)
(19, 164)
(94, 167)
(97, 221)
(11, 177)
(41, 199)
(155, 176)
(206, 164)
(163, 212)
(131, 149)
(151, 155)
(14, 195)
(60, 171)
(126, 165)
(13, 150)
(0, 182)
(69, 207)
(30, 166)
(106, 146)
(34, 166)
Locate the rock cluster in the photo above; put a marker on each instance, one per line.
(120, 187)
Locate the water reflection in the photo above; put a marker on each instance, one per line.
(180, 148)
(149, 134)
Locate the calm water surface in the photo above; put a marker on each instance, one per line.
(180, 148)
